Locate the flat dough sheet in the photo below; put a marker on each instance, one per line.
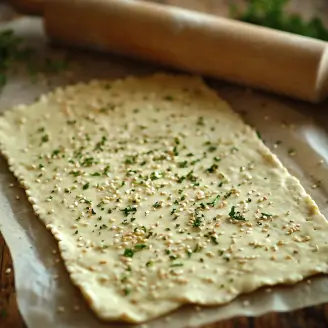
(158, 193)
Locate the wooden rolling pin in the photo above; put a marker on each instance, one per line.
(199, 43)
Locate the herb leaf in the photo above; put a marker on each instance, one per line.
(214, 201)
(128, 210)
(236, 215)
(128, 252)
(273, 14)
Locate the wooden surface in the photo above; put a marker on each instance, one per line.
(314, 317)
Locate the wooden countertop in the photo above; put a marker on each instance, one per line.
(313, 317)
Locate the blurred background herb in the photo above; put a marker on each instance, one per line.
(274, 14)
(14, 53)
(11, 52)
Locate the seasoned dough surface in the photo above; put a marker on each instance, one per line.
(159, 195)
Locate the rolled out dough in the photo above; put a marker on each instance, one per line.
(159, 195)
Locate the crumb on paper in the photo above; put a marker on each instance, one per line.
(198, 308)
(246, 303)
(61, 309)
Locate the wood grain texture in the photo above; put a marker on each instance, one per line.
(313, 317)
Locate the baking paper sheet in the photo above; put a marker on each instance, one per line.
(43, 285)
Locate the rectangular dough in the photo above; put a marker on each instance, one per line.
(159, 195)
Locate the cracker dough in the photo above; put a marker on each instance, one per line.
(159, 195)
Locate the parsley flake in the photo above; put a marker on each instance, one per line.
(128, 252)
(236, 215)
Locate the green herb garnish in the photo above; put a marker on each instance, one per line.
(214, 201)
(265, 216)
(212, 168)
(178, 264)
(214, 240)
(197, 223)
(128, 210)
(236, 215)
(157, 205)
(128, 252)
(139, 247)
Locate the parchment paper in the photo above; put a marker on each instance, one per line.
(43, 285)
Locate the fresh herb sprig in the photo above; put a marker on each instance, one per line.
(11, 51)
(14, 52)
(273, 14)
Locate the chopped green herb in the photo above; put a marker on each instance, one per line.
(44, 138)
(212, 149)
(214, 240)
(128, 210)
(86, 186)
(212, 169)
(197, 222)
(88, 161)
(265, 216)
(183, 164)
(131, 160)
(190, 176)
(236, 215)
(202, 206)
(156, 175)
(259, 135)
(200, 121)
(157, 205)
(55, 152)
(100, 144)
(214, 201)
(227, 195)
(178, 264)
(128, 252)
(197, 248)
(106, 169)
(127, 291)
(291, 151)
(195, 161)
(140, 246)
(149, 263)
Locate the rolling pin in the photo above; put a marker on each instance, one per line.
(199, 43)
